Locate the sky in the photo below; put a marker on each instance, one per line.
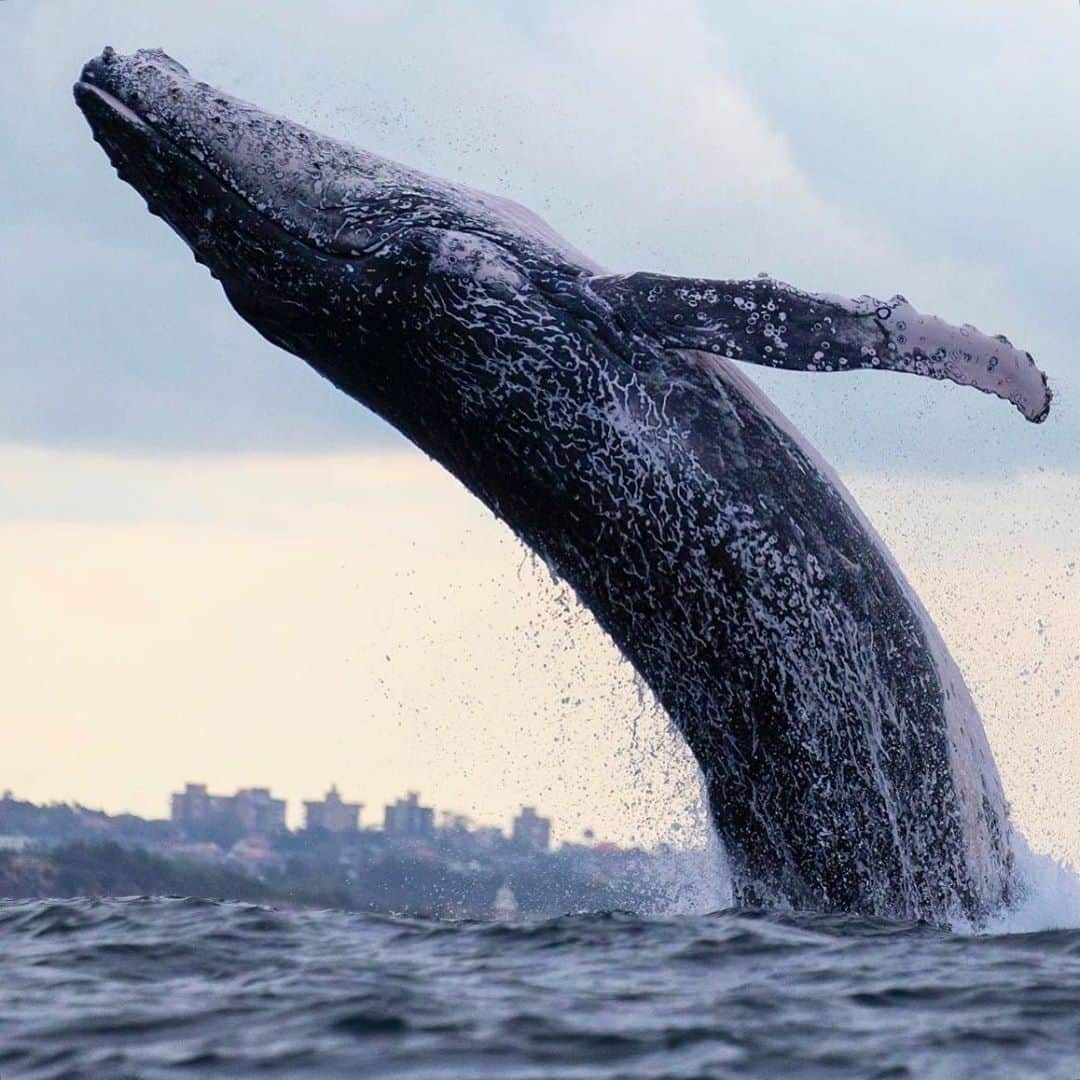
(220, 569)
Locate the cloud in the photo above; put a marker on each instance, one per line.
(632, 127)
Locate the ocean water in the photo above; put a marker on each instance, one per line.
(154, 987)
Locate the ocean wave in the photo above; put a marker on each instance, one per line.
(161, 986)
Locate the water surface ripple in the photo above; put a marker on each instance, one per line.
(167, 987)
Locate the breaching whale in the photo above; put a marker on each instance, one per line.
(602, 418)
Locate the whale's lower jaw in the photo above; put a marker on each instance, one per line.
(218, 225)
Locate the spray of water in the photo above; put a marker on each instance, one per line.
(1051, 896)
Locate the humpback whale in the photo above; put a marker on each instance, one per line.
(604, 418)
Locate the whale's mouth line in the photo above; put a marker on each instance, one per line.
(117, 106)
(147, 129)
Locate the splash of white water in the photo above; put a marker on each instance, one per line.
(1052, 895)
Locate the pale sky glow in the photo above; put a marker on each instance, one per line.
(218, 568)
(298, 621)
(359, 618)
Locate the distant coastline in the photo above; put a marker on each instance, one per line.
(449, 871)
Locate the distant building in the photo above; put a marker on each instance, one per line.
(250, 810)
(332, 814)
(407, 818)
(258, 811)
(451, 822)
(488, 836)
(192, 807)
(531, 832)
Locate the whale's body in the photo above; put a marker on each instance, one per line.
(602, 419)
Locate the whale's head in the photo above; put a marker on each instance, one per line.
(275, 211)
(291, 221)
(180, 142)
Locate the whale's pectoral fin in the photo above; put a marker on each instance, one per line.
(763, 321)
